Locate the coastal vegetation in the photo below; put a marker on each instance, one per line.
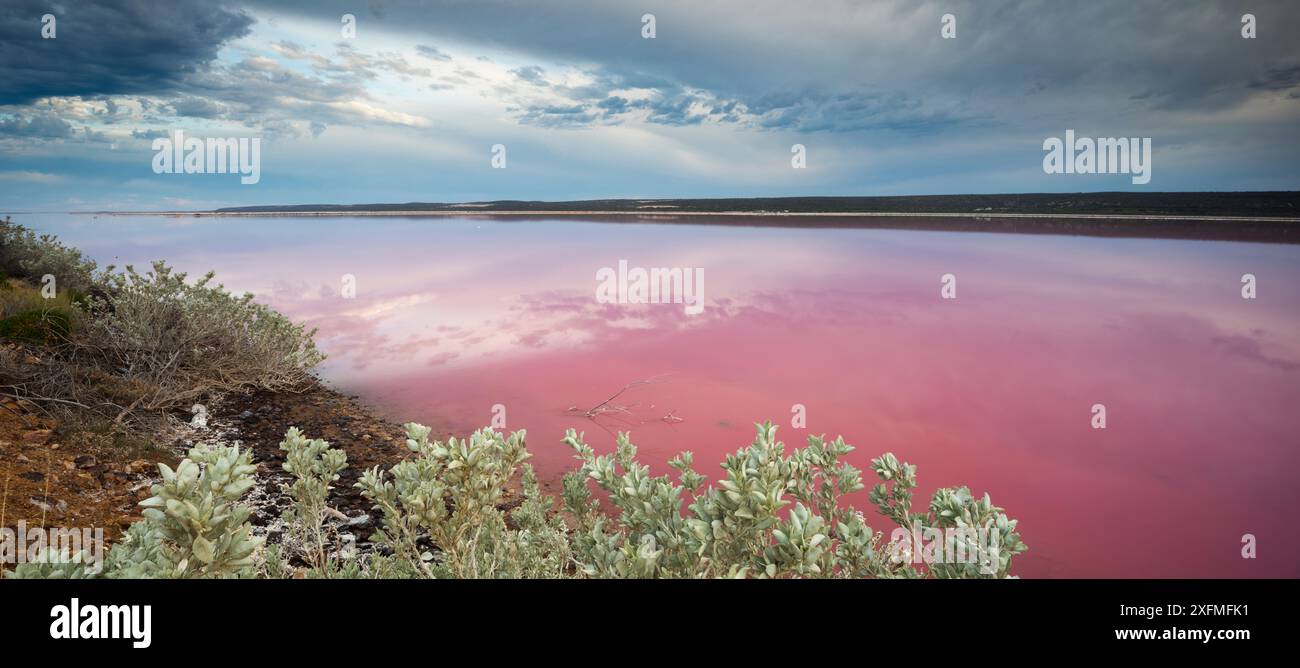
(445, 515)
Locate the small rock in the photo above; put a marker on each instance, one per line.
(85, 461)
(360, 521)
(34, 476)
(49, 505)
(22, 458)
(139, 466)
(246, 415)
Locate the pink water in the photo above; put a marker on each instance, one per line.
(993, 389)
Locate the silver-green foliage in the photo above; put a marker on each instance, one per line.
(201, 526)
(314, 465)
(452, 493)
(950, 508)
(450, 511)
(771, 515)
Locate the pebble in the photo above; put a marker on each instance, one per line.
(44, 504)
(362, 520)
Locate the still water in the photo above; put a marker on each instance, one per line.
(993, 389)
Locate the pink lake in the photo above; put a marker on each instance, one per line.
(993, 389)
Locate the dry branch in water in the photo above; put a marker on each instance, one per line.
(608, 408)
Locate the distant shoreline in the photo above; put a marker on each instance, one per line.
(661, 213)
(1263, 217)
(1252, 229)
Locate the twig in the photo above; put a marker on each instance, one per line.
(4, 502)
(606, 407)
(45, 502)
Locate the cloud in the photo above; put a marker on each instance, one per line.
(1278, 78)
(108, 47)
(261, 91)
(197, 107)
(36, 125)
(30, 177)
(431, 52)
(532, 74)
(558, 115)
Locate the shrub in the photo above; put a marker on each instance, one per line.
(184, 342)
(314, 465)
(196, 517)
(444, 514)
(771, 515)
(741, 528)
(451, 493)
(27, 255)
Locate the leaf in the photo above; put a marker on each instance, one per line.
(203, 549)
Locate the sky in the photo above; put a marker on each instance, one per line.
(410, 105)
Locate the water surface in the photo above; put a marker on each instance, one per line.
(993, 389)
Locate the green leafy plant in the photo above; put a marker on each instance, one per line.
(314, 465)
(957, 514)
(771, 515)
(452, 493)
(472, 508)
(196, 512)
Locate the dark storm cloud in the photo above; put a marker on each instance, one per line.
(1279, 78)
(109, 47)
(817, 111)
